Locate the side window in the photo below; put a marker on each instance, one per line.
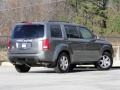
(71, 31)
(55, 31)
(86, 34)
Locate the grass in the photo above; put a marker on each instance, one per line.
(3, 55)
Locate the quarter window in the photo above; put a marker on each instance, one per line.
(71, 31)
(55, 31)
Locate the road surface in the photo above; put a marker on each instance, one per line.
(47, 79)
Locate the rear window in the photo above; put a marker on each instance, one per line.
(28, 31)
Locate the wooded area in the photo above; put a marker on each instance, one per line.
(101, 16)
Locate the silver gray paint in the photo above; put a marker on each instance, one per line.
(80, 50)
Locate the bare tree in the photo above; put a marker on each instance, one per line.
(12, 11)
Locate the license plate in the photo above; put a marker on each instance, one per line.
(24, 45)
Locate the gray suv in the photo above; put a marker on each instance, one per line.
(58, 45)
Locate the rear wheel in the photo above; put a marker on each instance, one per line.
(63, 63)
(22, 68)
(105, 62)
(72, 67)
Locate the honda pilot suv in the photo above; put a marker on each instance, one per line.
(57, 45)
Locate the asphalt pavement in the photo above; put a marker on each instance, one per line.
(84, 78)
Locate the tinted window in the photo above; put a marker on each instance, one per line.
(28, 31)
(71, 31)
(86, 34)
(55, 31)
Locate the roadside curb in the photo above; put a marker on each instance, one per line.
(116, 63)
(6, 64)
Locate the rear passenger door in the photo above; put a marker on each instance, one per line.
(73, 40)
(56, 37)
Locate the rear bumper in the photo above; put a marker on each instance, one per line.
(41, 59)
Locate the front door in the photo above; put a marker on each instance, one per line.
(73, 40)
(91, 50)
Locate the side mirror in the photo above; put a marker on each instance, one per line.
(97, 37)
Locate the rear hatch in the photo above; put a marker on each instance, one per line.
(27, 39)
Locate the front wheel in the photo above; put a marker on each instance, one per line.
(105, 62)
(63, 63)
(22, 68)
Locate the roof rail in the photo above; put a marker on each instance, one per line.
(60, 21)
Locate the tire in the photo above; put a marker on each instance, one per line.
(63, 63)
(22, 68)
(105, 62)
(72, 67)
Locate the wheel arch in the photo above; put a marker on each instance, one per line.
(107, 49)
(63, 51)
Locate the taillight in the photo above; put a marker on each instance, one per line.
(9, 44)
(45, 44)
